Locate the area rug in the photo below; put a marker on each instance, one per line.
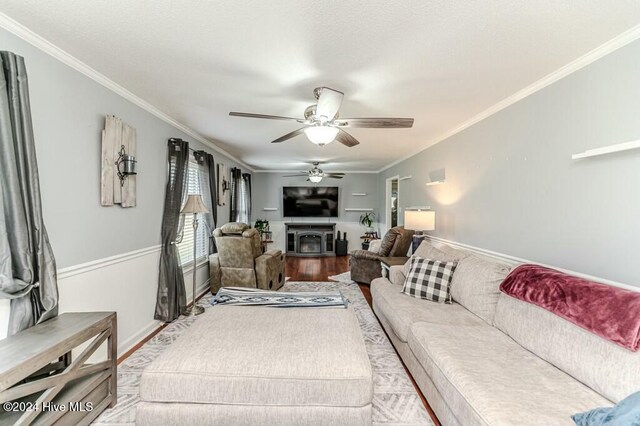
(395, 400)
(345, 277)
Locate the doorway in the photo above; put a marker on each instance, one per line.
(392, 202)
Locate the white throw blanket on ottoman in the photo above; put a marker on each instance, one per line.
(253, 365)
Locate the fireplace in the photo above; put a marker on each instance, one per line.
(310, 243)
(310, 239)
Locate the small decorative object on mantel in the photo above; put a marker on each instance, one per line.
(118, 178)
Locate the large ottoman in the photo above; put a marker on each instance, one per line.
(247, 365)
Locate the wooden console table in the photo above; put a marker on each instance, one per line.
(40, 383)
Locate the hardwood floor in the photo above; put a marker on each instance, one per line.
(320, 269)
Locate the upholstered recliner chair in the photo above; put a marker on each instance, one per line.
(240, 262)
(365, 264)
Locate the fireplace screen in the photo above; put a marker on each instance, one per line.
(310, 243)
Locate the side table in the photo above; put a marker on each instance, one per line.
(388, 262)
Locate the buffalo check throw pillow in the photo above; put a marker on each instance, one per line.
(429, 279)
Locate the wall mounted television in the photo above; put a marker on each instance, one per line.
(310, 201)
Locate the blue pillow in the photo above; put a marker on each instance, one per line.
(625, 413)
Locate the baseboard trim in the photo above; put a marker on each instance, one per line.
(512, 260)
(107, 261)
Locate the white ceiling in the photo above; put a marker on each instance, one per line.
(441, 62)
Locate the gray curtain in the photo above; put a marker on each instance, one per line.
(171, 299)
(234, 207)
(27, 266)
(208, 187)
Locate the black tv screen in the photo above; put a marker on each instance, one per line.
(310, 201)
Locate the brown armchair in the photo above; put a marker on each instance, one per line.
(365, 265)
(240, 262)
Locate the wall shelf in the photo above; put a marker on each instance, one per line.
(359, 194)
(270, 209)
(435, 182)
(359, 209)
(607, 150)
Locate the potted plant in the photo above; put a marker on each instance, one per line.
(366, 220)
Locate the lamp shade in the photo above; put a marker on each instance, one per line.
(315, 179)
(420, 220)
(194, 204)
(321, 135)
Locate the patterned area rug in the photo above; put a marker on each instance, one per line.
(395, 401)
(345, 277)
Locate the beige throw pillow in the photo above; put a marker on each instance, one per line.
(476, 285)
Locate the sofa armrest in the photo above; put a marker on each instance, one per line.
(214, 273)
(364, 254)
(272, 253)
(396, 274)
(270, 270)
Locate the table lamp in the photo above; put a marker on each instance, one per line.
(420, 220)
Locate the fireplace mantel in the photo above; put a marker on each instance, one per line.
(310, 239)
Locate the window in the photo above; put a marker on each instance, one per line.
(185, 247)
(243, 206)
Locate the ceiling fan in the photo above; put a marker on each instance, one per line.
(316, 174)
(322, 124)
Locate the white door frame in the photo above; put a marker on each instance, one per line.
(387, 202)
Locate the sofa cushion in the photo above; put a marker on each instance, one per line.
(429, 279)
(488, 379)
(459, 254)
(476, 285)
(427, 251)
(265, 356)
(402, 311)
(609, 369)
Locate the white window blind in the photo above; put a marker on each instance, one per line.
(243, 207)
(185, 247)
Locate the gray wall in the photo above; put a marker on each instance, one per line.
(68, 115)
(512, 187)
(266, 191)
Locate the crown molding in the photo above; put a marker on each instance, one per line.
(612, 45)
(66, 58)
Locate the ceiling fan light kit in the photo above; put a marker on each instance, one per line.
(322, 124)
(321, 135)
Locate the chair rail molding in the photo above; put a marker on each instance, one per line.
(513, 260)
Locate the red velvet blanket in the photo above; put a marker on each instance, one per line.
(610, 312)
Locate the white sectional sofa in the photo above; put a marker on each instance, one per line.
(489, 359)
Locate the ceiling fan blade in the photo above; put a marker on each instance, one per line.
(289, 135)
(268, 117)
(376, 123)
(334, 174)
(329, 103)
(306, 174)
(346, 139)
(333, 177)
